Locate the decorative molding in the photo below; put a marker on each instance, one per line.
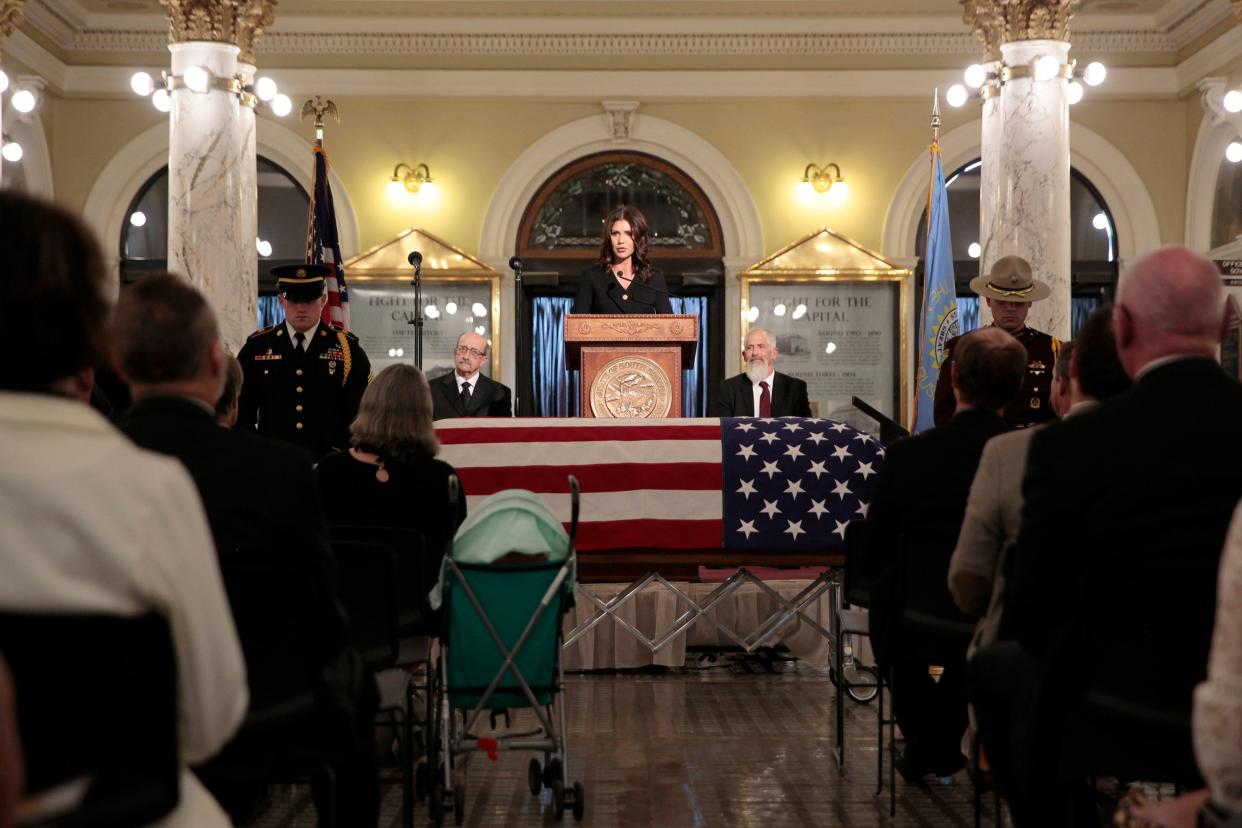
(995, 22)
(254, 17)
(1237, 10)
(211, 21)
(10, 15)
(620, 116)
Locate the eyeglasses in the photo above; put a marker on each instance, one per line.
(474, 352)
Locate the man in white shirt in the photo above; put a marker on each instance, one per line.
(466, 392)
(88, 522)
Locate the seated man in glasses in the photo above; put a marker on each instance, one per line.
(466, 392)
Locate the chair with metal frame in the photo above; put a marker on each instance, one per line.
(97, 713)
(856, 593)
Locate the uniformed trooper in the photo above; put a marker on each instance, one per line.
(1009, 291)
(304, 378)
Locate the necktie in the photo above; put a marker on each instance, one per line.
(765, 400)
(299, 339)
(465, 396)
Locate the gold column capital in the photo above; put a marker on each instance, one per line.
(253, 19)
(996, 22)
(213, 21)
(1237, 10)
(11, 13)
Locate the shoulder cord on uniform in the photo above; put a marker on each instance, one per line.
(349, 356)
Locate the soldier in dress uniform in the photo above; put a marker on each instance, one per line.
(1009, 291)
(304, 378)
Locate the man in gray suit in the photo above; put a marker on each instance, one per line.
(1087, 370)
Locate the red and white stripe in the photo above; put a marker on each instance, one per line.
(643, 483)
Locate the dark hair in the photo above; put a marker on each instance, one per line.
(1060, 371)
(232, 386)
(53, 294)
(990, 366)
(395, 416)
(164, 330)
(1100, 374)
(642, 245)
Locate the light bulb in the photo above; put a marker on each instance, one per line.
(4, 81)
(839, 191)
(779, 310)
(161, 99)
(401, 352)
(265, 88)
(1234, 152)
(1099, 221)
(805, 189)
(138, 218)
(392, 352)
(12, 152)
(976, 75)
(1046, 67)
(753, 313)
(480, 330)
(395, 190)
(1094, 73)
(956, 96)
(1233, 101)
(264, 246)
(478, 310)
(196, 79)
(450, 308)
(830, 347)
(432, 312)
(1073, 92)
(142, 84)
(24, 100)
(799, 312)
(974, 250)
(281, 105)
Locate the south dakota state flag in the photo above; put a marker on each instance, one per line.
(938, 322)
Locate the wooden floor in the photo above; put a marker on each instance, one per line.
(743, 741)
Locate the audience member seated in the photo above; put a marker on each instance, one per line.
(1102, 489)
(1087, 370)
(259, 494)
(226, 406)
(920, 496)
(391, 477)
(88, 522)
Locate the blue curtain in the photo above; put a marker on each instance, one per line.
(968, 313)
(269, 311)
(556, 388)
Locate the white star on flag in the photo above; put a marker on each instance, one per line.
(770, 469)
(747, 528)
(818, 509)
(795, 529)
(791, 426)
(838, 426)
(793, 452)
(841, 452)
(794, 489)
(816, 438)
(769, 437)
(840, 530)
(842, 489)
(865, 470)
(746, 451)
(818, 469)
(748, 489)
(769, 508)
(745, 426)
(866, 438)
(862, 509)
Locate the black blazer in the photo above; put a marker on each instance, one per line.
(921, 490)
(600, 292)
(1154, 472)
(259, 494)
(737, 397)
(490, 398)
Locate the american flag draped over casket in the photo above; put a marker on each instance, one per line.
(741, 483)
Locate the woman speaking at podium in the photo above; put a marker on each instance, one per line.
(622, 281)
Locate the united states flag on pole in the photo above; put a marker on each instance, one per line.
(745, 483)
(323, 245)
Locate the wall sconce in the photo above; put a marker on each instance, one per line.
(410, 179)
(825, 179)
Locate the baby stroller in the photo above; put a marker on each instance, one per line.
(509, 579)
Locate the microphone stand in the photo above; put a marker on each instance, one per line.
(516, 264)
(416, 259)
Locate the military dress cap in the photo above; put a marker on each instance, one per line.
(301, 283)
(1011, 280)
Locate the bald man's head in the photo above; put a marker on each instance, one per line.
(1169, 302)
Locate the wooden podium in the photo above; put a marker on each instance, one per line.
(630, 364)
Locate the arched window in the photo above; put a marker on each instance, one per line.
(1093, 244)
(283, 206)
(560, 234)
(1227, 204)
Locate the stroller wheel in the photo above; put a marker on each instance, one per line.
(864, 685)
(437, 803)
(534, 777)
(459, 803)
(552, 772)
(558, 799)
(579, 803)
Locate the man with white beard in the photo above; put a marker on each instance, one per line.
(762, 391)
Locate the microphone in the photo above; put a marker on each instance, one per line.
(416, 260)
(515, 263)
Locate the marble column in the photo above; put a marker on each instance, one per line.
(11, 13)
(207, 236)
(989, 189)
(1031, 215)
(249, 169)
